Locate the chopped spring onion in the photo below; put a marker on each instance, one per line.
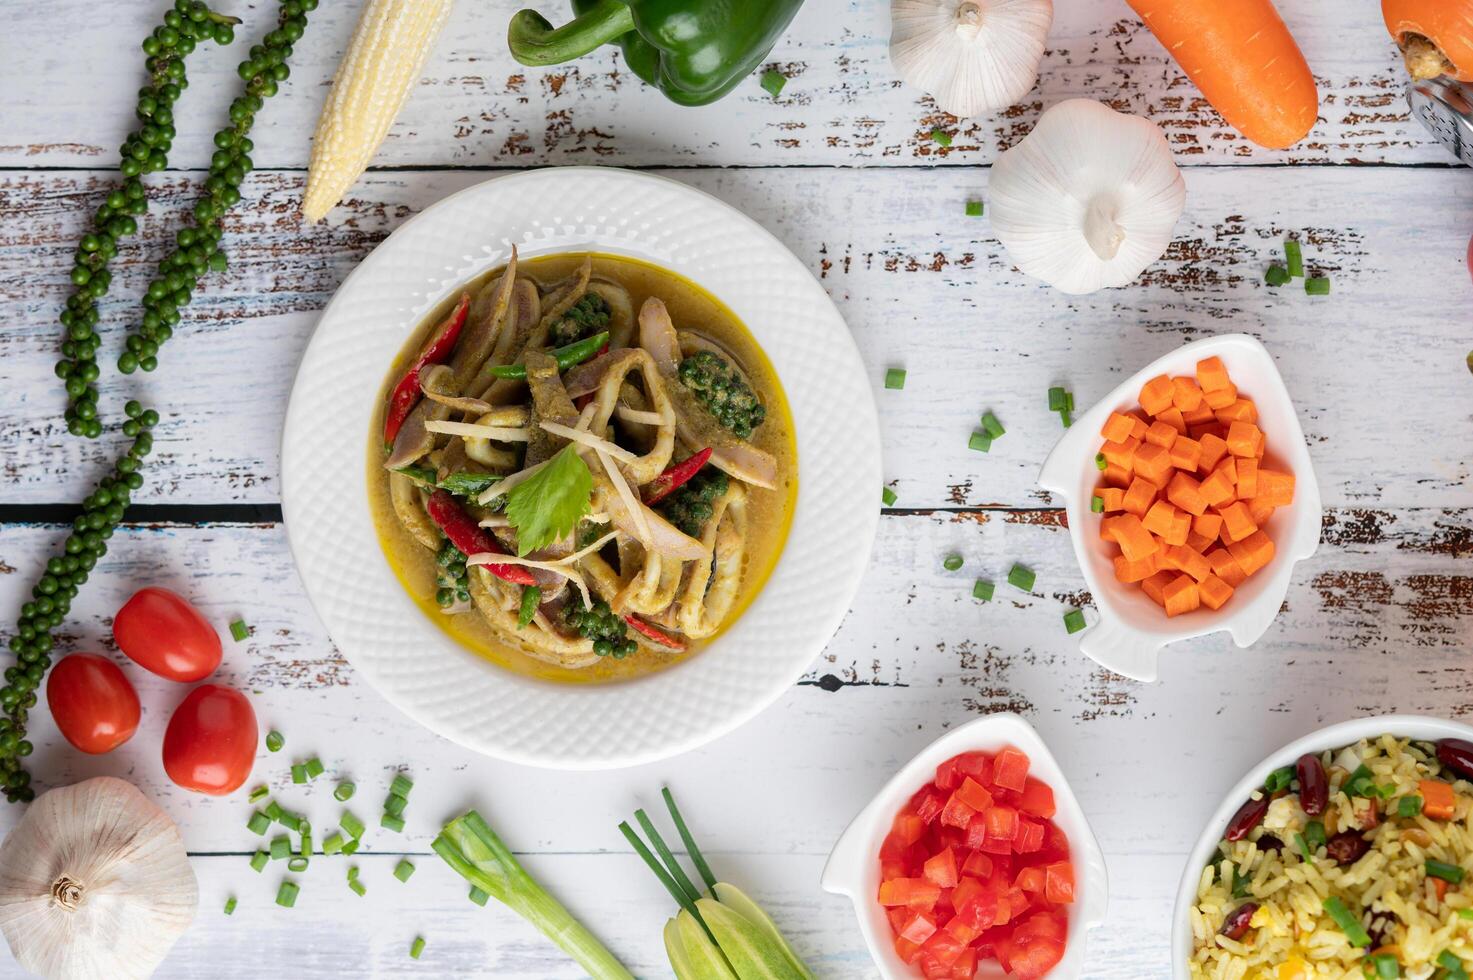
(259, 823)
(299, 773)
(333, 844)
(1278, 780)
(298, 863)
(1097, 504)
(259, 861)
(281, 847)
(1450, 873)
(1385, 965)
(358, 887)
(404, 870)
(974, 209)
(1409, 806)
(230, 905)
(286, 895)
(1349, 924)
(772, 83)
(1317, 286)
(314, 768)
(1074, 620)
(258, 794)
(351, 824)
(1294, 257)
(418, 946)
(401, 785)
(1465, 913)
(1057, 400)
(344, 791)
(478, 896)
(983, 590)
(992, 426)
(392, 822)
(304, 847)
(239, 631)
(352, 871)
(1449, 961)
(1066, 417)
(980, 441)
(941, 136)
(351, 847)
(274, 741)
(274, 810)
(1360, 782)
(290, 821)
(1305, 852)
(1276, 275)
(1314, 834)
(1101, 463)
(394, 805)
(1021, 578)
(952, 562)
(895, 379)
(531, 599)
(888, 497)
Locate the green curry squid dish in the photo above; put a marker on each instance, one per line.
(583, 468)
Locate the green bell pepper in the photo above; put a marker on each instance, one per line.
(695, 51)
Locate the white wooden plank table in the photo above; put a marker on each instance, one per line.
(839, 167)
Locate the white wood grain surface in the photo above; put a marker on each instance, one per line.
(841, 169)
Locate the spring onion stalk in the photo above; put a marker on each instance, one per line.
(473, 851)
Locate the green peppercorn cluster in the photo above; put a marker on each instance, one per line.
(584, 318)
(690, 507)
(452, 578)
(723, 391)
(184, 26)
(609, 633)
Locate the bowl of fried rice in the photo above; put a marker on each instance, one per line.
(1344, 855)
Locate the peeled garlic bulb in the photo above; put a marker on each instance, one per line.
(972, 56)
(1088, 199)
(94, 883)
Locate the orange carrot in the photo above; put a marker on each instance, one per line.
(1153, 463)
(1159, 518)
(1437, 799)
(1253, 552)
(1186, 493)
(1173, 417)
(1155, 586)
(1113, 498)
(1189, 561)
(1131, 572)
(1226, 567)
(1220, 397)
(1214, 592)
(1186, 394)
(1237, 523)
(1140, 497)
(1180, 596)
(1186, 453)
(1161, 434)
(1445, 25)
(1212, 375)
(1156, 395)
(1214, 448)
(1243, 58)
(1117, 427)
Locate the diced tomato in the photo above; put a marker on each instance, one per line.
(1035, 959)
(956, 813)
(1037, 798)
(906, 950)
(1029, 838)
(973, 794)
(978, 765)
(1030, 879)
(1010, 769)
(948, 777)
(1059, 884)
(928, 806)
(908, 828)
(941, 868)
(977, 864)
(965, 966)
(916, 893)
(919, 928)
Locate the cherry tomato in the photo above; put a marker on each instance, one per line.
(161, 632)
(92, 701)
(210, 744)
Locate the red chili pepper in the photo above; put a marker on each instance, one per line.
(675, 477)
(470, 538)
(668, 640)
(406, 393)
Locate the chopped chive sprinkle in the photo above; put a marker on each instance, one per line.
(304, 847)
(1385, 965)
(333, 844)
(1056, 401)
(1408, 806)
(895, 379)
(1067, 417)
(1021, 578)
(1304, 850)
(392, 822)
(259, 861)
(416, 947)
(1349, 923)
(290, 821)
(297, 863)
(1450, 873)
(351, 847)
(344, 792)
(259, 823)
(1276, 275)
(258, 794)
(1068, 401)
(351, 824)
(314, 768)
(352, 871)
(952, 563)
(980, 441)
(992, 425)
(1074, 620)
(1314, 834)
(1294, 257)
(983, 590)
(281, 847)
(239, 631)
(974, 209)
(1097, 504)
(773, 82)
(401, 785)
(358, 887)
(888, 497)
(1465, 913)
(299, 773)
(274, 741)
(1101, 463)
(1448, 960)
(395, 805)
(274, 810)
(1278, 780)
(941, 136)
(230, 905)
(478, 896)
(404, 869)
(286, 895)
(1317, 286)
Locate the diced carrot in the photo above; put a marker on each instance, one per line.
(1262, 446)
(1134, 540)
(1181, 527)
(1153, 463)
(1186, 493)
(1180, 596)
(1174, 418)
(1139, 422)
(1260, 510)
(1158, 519)
(1198, 542)
(1139, 497)
(1275, 487)
(1237, 523)
(1117, 476)
(1247, 478)
(1253, 552)
(1186, 394)
(1438, 800)
(1439, 887)
(1156, 395)
(1120, 453)
(1214, 592)
(1212, 375)
(1134, 571)
(1186, 453)
(1189, 561)
(1112, 497)
(1217, 488)
(1155, 586)
(1242, 410)
(1161, 434)
(1208, 525)
(1200, 415)
(1215, 398)
(1214, 448)
(1226, 567)
(1228, 465)
(1117, 427)
(1242, 438)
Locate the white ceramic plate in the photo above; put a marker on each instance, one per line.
(462, 696)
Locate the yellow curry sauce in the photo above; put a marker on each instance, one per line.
(771, 511)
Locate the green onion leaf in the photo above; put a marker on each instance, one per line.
(401, 785)
(1074, 620)
(1314, 835)
(1294, 257)
(351, 824)
(351, 847)
(281, 847)
(1056, 402)
(274, 741)
(1317, 286)
(895, 379)
(1448, 960)
(1101, 463)
(418, 946)
(1021, 578)
(974, 209)
(1349, 923)
(941, 136)
(391, 822)
(531, 599)
(980, 441)
(297, 863)
(286, 895)
(314, 768)
(1276, 275)
(1360, 783)
(304, 847)
(1279, 779)
(773, 82)
(274, 810)
(258, 794)
(983, 590)
(887, 497)
(358, 887)
(333, 844)
(404, 869)
(259, 823)
(478, 896)
(696, 856)
(1097, 504)
(1304, 849)
(299, 773)
(394, 805)
(992, 425)
(1409, 806)
(1450, 873)
(259, 861)
(344, 792)
(952, 562)
(290, 821)
(239, 631)
(230, 905)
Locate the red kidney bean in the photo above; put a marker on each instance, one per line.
(1268, 842)
(1457, 755)
(1248, 816)
(1236, 924)
(1314, 787)
(1347, 847)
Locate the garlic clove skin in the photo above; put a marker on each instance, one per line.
(1088, 199)
(972, 56)
(95, 884)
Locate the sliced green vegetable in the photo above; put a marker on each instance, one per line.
(952, 562)
(274, 741)
(895, 379)
(344, 791)
(531, 599)
(299, 773)
(290, 821)
(478, 896)
(286, 895)
(358, 887)
(259, 860)
(1348, 922)
(1021, 578)
(1057, 400)
(239, 631)
(991, 425)
(351, 847)
(1314, 835)
(697, 858)
(941, 136)
(391, 822)
(773, 82)
(1097, 504)
(1294, 257)
(281, 847)
(1409, 806)
(983, 590)
(887, 497)
(297, 863)
(418, 946)
(404, 870)
(394, 805)
(1465, 913)
(1361, 783)
(1306, 854)
(980, 441)
(1276, 275)
(333, 844)
(314, 768)
(1074, 620)
(259, 823)
(351, 824)
(258, 794)
(1101, 463)
(304, 846)
(1450, 873)
(1279, 779)
(230, 905)
(1317, 286)
(1385, 966)
(974, 209)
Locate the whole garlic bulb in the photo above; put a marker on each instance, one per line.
(972, 56)
(94, 883)
(1088, 199)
